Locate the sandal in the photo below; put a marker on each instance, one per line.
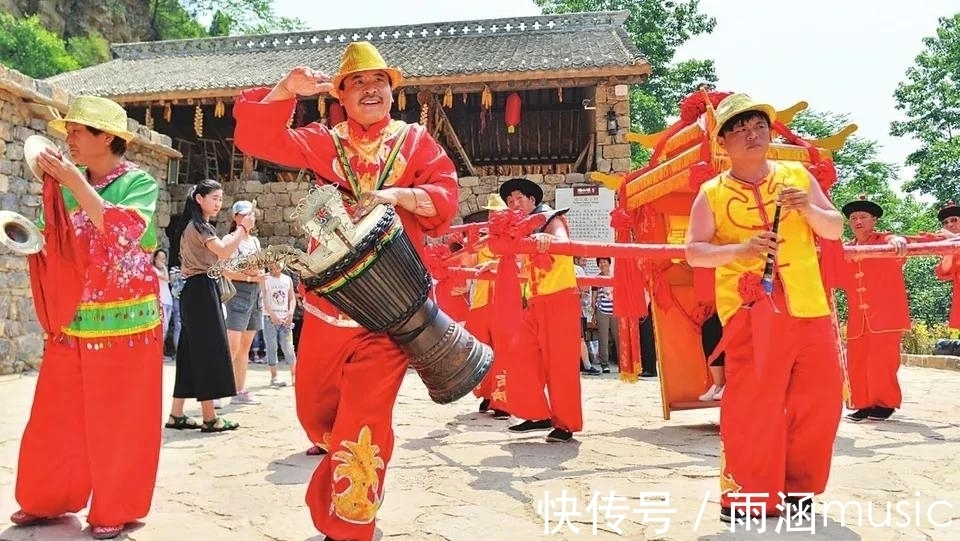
(22, 518)
(106, 532)
(182, 423)
(225, 425)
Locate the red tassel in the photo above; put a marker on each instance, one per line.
(628, 285)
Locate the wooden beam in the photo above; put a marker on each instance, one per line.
(498, 82)
(583, 153)
(451, 136)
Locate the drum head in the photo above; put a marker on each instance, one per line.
(32, 147)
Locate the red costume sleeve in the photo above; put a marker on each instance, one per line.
(261, 131)
(946, 276)
(434, 173)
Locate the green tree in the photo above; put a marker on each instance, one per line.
(180, 19)
(860, 171)
(657, 28)
(28, 47)
(930, 99)
(89, 50)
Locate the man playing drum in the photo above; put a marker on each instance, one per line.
(348, 378)
(782, 401)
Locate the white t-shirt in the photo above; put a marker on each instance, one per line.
(247, 246)
(166, 297)
(277, 296)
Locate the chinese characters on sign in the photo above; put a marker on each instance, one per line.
(589, 216)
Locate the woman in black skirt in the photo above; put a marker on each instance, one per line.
(204, 368)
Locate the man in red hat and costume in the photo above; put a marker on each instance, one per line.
(547, 347)
(348, 378)
(878, 317)
(948, 270)
(781, 405)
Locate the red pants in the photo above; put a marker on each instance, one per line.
(94, 432)
(347, 383)
(547, 354)
(777, 427)
(873, 360)
(494, 384)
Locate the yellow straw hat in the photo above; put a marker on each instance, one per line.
(95, 112)
(734, 104)
(495, 202)
(363, 56)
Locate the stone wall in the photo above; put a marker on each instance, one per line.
(24, 111)
(474, 190)
(613, 151)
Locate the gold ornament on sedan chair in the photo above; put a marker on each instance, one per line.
(198, 120)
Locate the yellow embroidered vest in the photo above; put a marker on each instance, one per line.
(561, 276)
(742, 211)
(481, 288)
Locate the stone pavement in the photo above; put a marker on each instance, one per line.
(459, 476)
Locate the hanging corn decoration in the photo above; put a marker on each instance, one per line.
(220, 109)
(486, 98)
(167, 112)
(560, 94)
(464, 97)
(424, 113)
(322, 106)
(198, 121)
(448, 98)
(402, 100)
(148, 120)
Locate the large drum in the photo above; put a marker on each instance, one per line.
(371, 271)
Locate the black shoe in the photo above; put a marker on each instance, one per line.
(880, 414)
(726, 515)
(606, 369)
(859, 415)
(798, 509)
(592, 371)
(484, 405)
(559, 435)
(648, 374)
(500, 414)
(527, 426)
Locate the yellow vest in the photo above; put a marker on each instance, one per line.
(561, 276)
(742, 211)
(481, 288)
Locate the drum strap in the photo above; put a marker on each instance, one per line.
(352, 176)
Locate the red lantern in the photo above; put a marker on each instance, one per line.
(337, 114)
(512, 113)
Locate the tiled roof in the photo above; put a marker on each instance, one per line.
(594, 42)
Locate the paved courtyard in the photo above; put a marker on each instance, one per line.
(458, 475)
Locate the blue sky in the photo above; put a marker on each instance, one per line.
(843, 56)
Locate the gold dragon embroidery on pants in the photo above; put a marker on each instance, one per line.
(359, 463)
(727, 482)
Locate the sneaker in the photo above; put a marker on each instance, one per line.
(859, 415)
(245, 398)
(606, 369)
(217, 404)
(711, 394)
(559, 435)
(527, 426)
(277, 383)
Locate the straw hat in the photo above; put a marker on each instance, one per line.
(100, 113)
(862, 205)
(734, 104)
(362, 56)
(495, 202)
